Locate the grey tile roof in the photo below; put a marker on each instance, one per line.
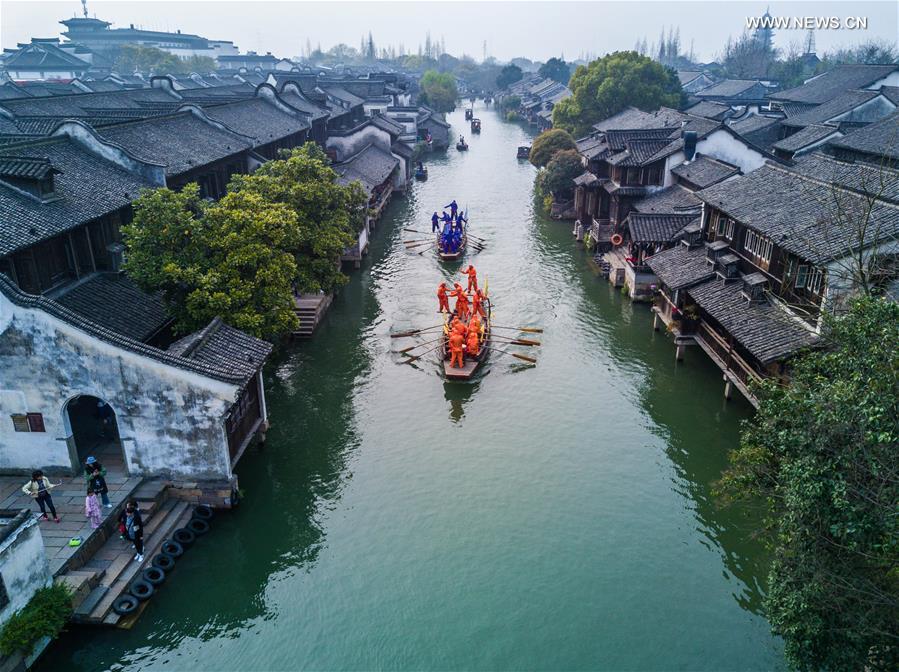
(586, 179)
(222, 346)
(679, 267)
(759, 130)
(878, 139)
(181, 142)
(704, 171)
(593, 146)
(841, 104)
(87, 187)
(673, 199)
(831, 84)
(371, 166)
(640, 152)
(220, 368)
(798, 213)
(733, 88)
(257, 119)
(858, 176)
(81, 104)
(25, 166)
(710, 110)
(687, 76)
(342, 94)
(657, 227)
(10, 91)
(767, 331)
(301, 104)
(114, 302)
(805, 137)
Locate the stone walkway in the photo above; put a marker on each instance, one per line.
(68, 499)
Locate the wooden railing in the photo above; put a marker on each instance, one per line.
(732, 362)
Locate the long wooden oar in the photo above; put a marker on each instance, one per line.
(413, 347)
(412, 246)
(412, 359)
(529, 330)
(418, 240)
(516, 341)
(404, 334)
(471, 235)
(416, 231)
(529, 360)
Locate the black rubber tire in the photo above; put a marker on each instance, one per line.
(204, 512)
(184, 537)
(172, 548)
(142, 590)
(164, 561)
(125, 604)
(198, 526)
(154, 576)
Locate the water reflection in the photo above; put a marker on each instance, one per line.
(458, 394)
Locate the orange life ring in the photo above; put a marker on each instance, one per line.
(617, 239)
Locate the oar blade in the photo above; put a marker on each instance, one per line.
(530, 360)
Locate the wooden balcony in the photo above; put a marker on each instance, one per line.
(736, 371)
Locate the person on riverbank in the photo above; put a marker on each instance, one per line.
(131, 520)
(435, 223)
(97, 482)
(39, 488)
(472, 277)
(442, 298)
(92, 508)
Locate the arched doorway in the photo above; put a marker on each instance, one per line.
(93, 431)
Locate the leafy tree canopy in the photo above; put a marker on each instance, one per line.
(821, 454)
(556, 69)
(547, 144)
(560, 171)
(610, 84)
(225, 259)
(131, 58)
(328, 215)
(508, 76)
(438, 90)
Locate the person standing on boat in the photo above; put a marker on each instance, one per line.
(472, 278)
(462, 309)
(460, 220)
(477, 303)
(442, 298)
(456, 341)
(474, 324)
(453, 208)
(435, 223)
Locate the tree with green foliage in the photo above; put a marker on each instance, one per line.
(557, 178)
(328, 215)
(510, 103)
(610, 84)
(130, 58)
(508, 76)
(556, 69)
(547, 144)
(821, 455)
(227, 259)
(438, 91)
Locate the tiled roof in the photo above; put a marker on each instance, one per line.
(586, 179)
(798, 213)
(86, 188)
(805, 137)
(731, 88)
(371, 166)
(25, 166)
(759, 130)
(593, 146)
(831, 84)
(258, 119)
(657, 228)
(79, 105)
(344, 95)
(10, 91)
(221, 368)
(114, 302)
(680, 266)
(181, 142)
(640, 152)
(878, 139)
(710, 110)
(843, 103)
(767, 331)
(222, 346)
(303, 105)
(687, 76)
(673, 199)
(858, 176)
(704, 171)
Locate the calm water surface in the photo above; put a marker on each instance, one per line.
(556, 517)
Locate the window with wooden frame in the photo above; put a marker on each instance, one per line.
(801, 276)
(758, 246)
(28, 422)
(815, 280)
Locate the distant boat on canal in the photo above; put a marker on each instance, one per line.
(462, 146)
(475, 125)
(421, 172)
(524, 152)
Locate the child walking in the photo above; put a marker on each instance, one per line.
(92, 508)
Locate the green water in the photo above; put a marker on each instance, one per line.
(556, 517)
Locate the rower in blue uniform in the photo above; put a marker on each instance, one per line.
(453, 208)
(435, 222)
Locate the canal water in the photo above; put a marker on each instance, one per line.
(549, 517)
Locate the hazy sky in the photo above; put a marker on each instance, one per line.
(536, 30)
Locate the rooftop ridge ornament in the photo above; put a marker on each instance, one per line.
(84, 8)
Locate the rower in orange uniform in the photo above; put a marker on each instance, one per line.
(476, 300)
(462, 308)
(473, 343)
(456, 341)
(441, 297)
(472, 277)
(458, 327)
(474, 324)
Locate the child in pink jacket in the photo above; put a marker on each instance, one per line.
(92, 508)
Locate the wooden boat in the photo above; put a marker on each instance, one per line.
(462, 146)
(524, 152)
(453, 256)
(471, 365)
(469, 115)
(475, 125)
(421, 174)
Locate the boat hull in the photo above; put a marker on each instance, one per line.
(470, 365)
(453, 256)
